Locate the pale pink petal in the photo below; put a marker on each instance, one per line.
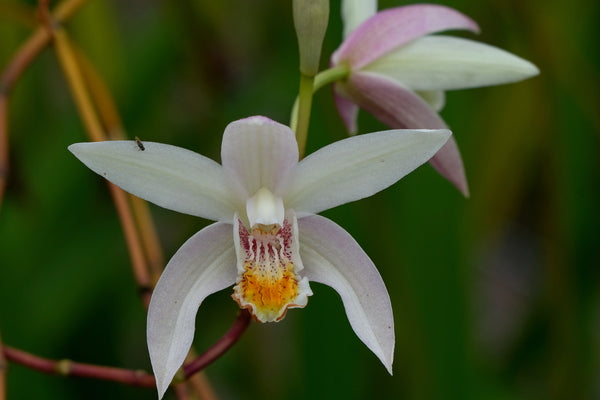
(259, 152)
(206, 263)
(448, 162)
(391, 28)
(347, 110)
(392, 103)
(332, 257)
(399, 107)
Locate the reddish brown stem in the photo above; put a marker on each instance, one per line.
(219, 348)
(126, 376)
(2, 372)
(70, 368)
(4, 161)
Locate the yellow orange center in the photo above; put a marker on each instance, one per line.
(268, 284)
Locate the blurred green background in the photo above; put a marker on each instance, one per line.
(495, 297)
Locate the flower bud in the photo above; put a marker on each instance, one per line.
(310, 19)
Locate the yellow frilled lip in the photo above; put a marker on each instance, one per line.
(268, 264)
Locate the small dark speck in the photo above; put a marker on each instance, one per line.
(139, 143)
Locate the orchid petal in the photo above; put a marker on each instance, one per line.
(259, 152)
(347, 110)
(448, 162)
(395, 27)
(169, 176)
(435, 98)
(446, 63)
(355, 12)
(332, 257)
(203, 265)
(399, 107)
(360, 166)
(391, 102)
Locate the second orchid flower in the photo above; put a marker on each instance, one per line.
(398, 71)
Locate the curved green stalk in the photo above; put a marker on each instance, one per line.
(301, 110)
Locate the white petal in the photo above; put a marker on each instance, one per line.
(332, 257)
(203, 265)
(359, 166)
(444, 63)
(169, 176)
(435, 98)
(355, 12)
(259, 152)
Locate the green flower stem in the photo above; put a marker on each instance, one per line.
(303, 117)
(301, 109)
(331, 75)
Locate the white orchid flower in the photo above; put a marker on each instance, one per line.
(399, 71)
(265, 203)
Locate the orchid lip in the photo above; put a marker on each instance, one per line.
(268, 282)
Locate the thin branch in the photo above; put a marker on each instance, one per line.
(20, 13)
(77, 85)
(107, 109)
(219, 348)
(126, 376)
(38, 40)
(132, 239)
(111, 120)
(70, 368)
(3, 367)
(96, 132)
(4, 160)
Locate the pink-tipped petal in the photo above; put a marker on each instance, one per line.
(332, 257)
(448, 162)
(347, 110)
(390, 102)
(399, 107)
(394, 27)
(259, 152)
(203, 265)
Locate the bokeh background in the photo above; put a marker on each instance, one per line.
(495, 296)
